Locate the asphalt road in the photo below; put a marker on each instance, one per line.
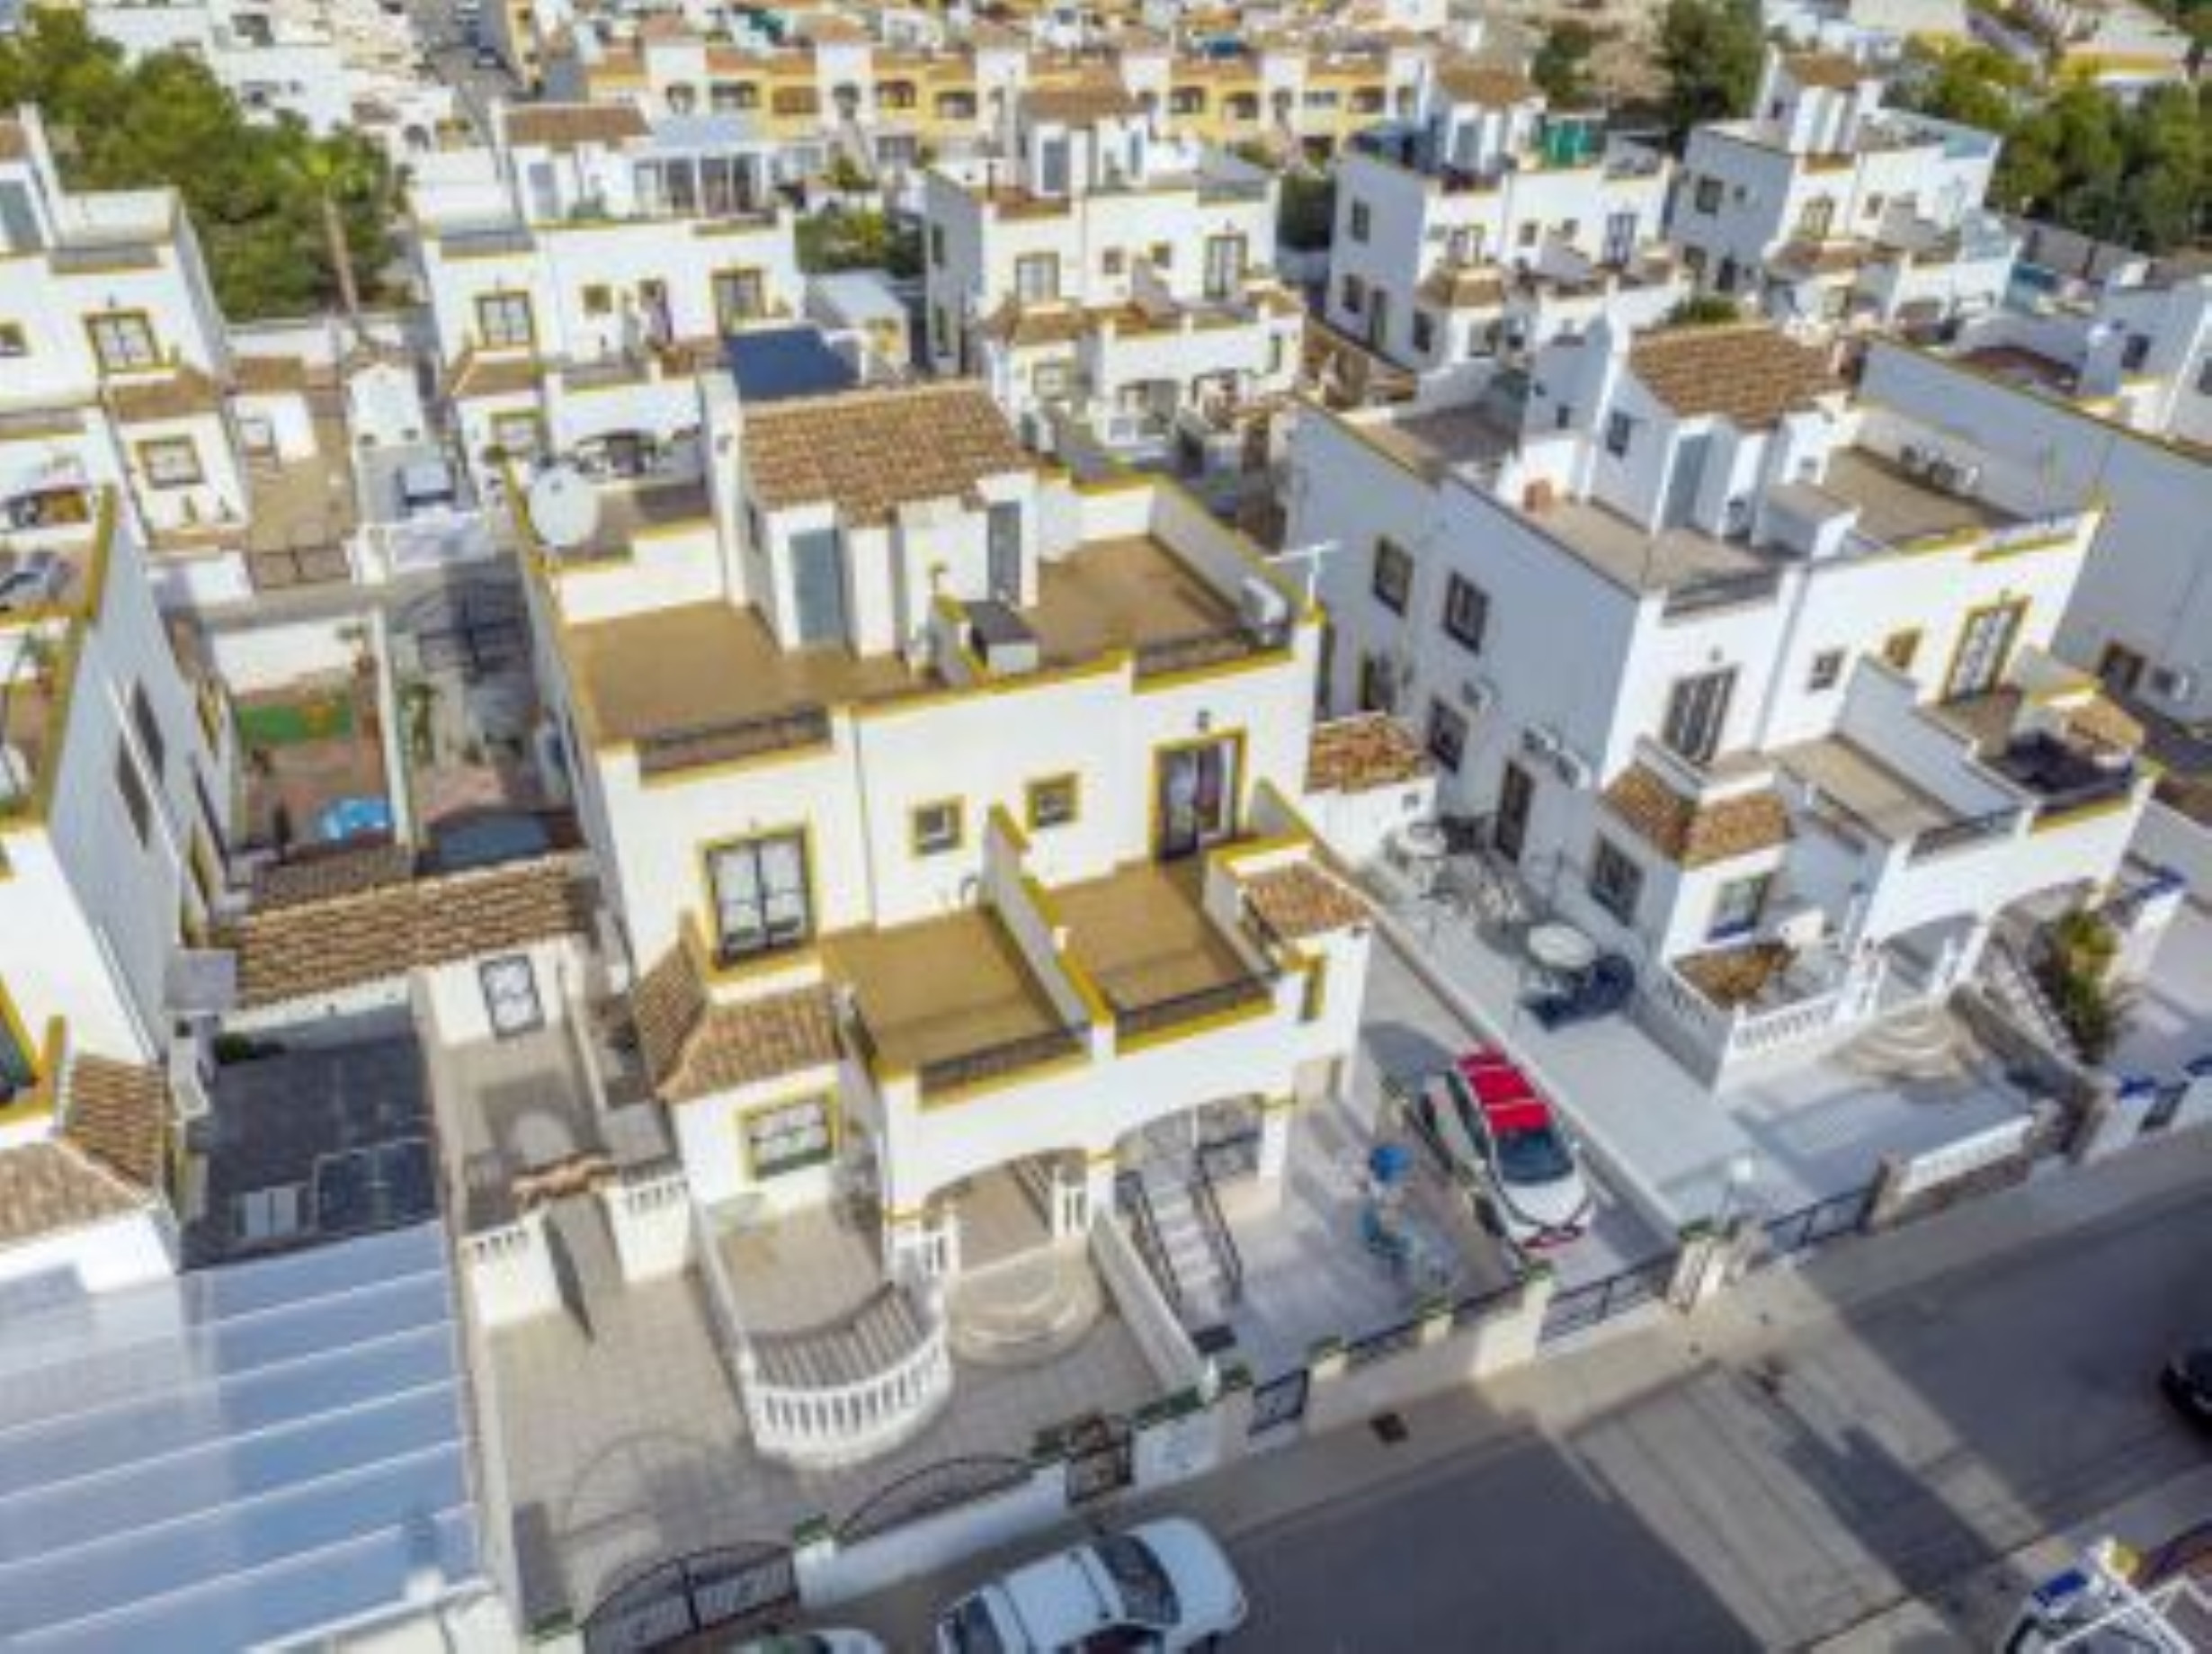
(1784, 1489)
(1880, 1425)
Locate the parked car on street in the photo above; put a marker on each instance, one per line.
(1491, 1121)
(2187, 1379)
(811, 1642)
(1164, 1586)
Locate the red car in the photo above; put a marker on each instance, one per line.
(1491, 1120)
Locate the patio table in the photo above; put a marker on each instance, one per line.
(1560, 949)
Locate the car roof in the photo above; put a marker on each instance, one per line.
(1059, 1598)
(1508, 1098)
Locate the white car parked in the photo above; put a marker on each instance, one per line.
(812, 1642)
(1159, 1588)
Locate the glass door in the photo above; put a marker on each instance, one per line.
(1197, 797)
(1509, 834)
(1983, 646)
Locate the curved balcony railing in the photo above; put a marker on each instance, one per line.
(840, 1394)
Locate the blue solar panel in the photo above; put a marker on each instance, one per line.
(777, 363)
(248, 1454)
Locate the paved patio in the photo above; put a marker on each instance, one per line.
(1814, 1129)
(2169, 1022)
(940, 988)
(1144, 935)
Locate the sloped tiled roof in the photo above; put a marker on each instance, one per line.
(564, 126)
(118, 1116)
(312, 948)
(1748, 374)
(1356, 755)
(1466, 80)
(870, 451)
(1300, 900)
(1080, 102)
(1829, 69)
(1691, 833)
(52, 1185)
(694, 1047)
(339, 873)
(1464, 287)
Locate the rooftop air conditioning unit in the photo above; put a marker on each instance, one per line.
(1001, 639)
(1262, 607)
(1916, 459)
(1541, 742)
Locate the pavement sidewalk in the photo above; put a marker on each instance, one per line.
(1610, 1369)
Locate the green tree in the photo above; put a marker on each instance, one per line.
(1709, 52)
(288, 221)
(1561, 65)
(1306, 211)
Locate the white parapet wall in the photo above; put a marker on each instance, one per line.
(510, 1271)
(650, 1215)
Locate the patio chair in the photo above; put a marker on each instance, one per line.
(1606, 987)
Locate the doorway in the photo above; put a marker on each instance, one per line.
(1508, 834)
(1194, 796)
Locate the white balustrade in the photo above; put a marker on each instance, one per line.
(821, 1427)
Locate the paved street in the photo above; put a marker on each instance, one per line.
(1875, 1425)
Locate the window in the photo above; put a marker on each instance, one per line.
(510, 985)
(1697, 712)
(936, 828)
(1037, 276)
(1361, 221)
(1466, 612)
(1393, 581)
(1530, 231)
(937, 244)
(131, 785)
(2134, 353)
(170, 462)
(1737, 905)
(1052, 802)
(1707, 196)
(1984, 645)
(1378, 691)
(598, 299)
(503, 321)
(19, 1069)
(12, 340)
(143, 719)
(124, 340)
(518, 436)
(739, 296)
(1815, 218)
(1619, 433)
(1424, 331)
(1161, 256)
(1113, 262)
(787, 1137)
(1354, 294)
(1901, 648)
(2204, 376)
(1827, 671)
(1225, 265)
(1447, 735)
(1616, 881)
(762, 903)
(1050, 381)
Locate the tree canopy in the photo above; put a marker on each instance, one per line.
(1709, 53)
(1561, 65)
(2139, 174)
(255, 192)
(841, 237)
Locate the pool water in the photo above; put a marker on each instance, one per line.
(345, 818)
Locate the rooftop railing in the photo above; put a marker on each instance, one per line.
(663, 752)
(990, 1062)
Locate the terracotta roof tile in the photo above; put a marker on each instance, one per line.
(564, 126)
(118, 1116)
(1299, 900)
(1748, 374)
(51, 1185)
(337, 872)
(313, 948)
(870, 452)
(694, 1047)
(1829, 69)
(1694, 835)
(1464, 289)
(1078, 103)
(1492, 85)
(178, 395)
(1359, 754)
(495, 376)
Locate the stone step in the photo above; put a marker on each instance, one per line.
(1025, 1310)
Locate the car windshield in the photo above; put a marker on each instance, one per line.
(968, 1628)
(1147, 1593)
(1533, 1154)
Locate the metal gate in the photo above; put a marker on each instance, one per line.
(1280, 1401)
(1596, 1302)
(737, 1586)
(1808, 1226)
(1099, 1457)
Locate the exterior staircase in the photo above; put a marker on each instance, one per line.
(2012, 987)
(884, 1329)
(1026, 1308)
(1192, 1255)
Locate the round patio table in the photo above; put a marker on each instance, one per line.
(1561, 948)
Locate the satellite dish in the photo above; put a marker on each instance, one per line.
(564, 508)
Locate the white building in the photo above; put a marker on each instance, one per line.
(1486, 223)
(2117, 44)
(1827, 207)
(114, 808)
(2141, 615)
(1752, 681)
(946, 811)
(1869, 30)
(580, 270)
(1106, 279)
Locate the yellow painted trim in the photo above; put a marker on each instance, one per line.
(1316, 1000)
(1263, 661)
(1239, 784)
(1030, 1074)
(145, 319)
(1070, 779)
(827, 1100)
(922, 852)
(2052, 821)
(2028, 547)
(2017, 608)
(45, 1061)
(1213, 1021)
(803, 831)
(505, 295)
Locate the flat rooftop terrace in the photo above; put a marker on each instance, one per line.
(1631, 556)
(941, 988)
(1121, 593)
(1896, 507)
(1869, 790)
(1142, 934)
